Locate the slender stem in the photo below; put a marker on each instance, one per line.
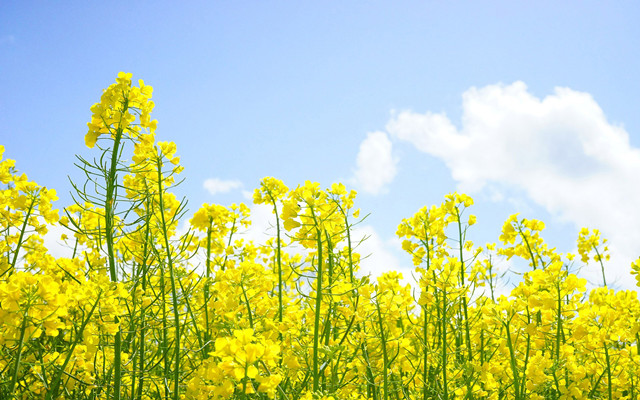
(604, 278)
(514, 367)
(109, 216)
(278, 257)
(165, 331)
(349, 247)
(425, 327)
(16, 368)
(609, 386)
(316, 327)
(328, 326)
(174, 294)
(144, 269)
(20, 239)
(53, 393)
(526, 357)
(385, 357)
(464, 293)
(526, 241)
(443, 320)
(425, 358)
(246, 301)
(207, 283)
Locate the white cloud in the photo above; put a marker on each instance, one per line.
(215, 185)
(380, 255)
(263, 224)
(376, 166)
(560, 151)
(56, 246)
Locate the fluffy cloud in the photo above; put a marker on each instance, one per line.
(57, 248)
(380, 255)
(215, 185)
(560, 151)
(262, 226)
(376, 166)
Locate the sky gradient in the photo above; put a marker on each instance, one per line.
(529, 107)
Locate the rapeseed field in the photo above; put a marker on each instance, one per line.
(140, 311)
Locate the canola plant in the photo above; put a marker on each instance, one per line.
(139, 311)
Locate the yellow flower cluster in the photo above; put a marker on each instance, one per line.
(139, 311)
(119, 107)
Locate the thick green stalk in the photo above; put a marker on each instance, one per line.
(558, 324)
(425, 366)
(609, 386)
(165, 332)
(207, 282)
(142, 321)
(533, 257)
(425, 327)
(372, 392)
(246, 301)
(109, 216)
(174, 294)
(109, 203)
(385, 357)
(316, 325)
(16, 368)
(464, 293)
(526, 357)
(21, 238)
(482, 346)
(278, 257)
(52, 394)
(328, 326)
(279, 265)
(444, 344)
(604, 278)
(346, 224)
(514, 367)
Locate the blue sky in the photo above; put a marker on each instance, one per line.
(529, 107)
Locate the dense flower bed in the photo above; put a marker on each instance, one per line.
(141, 312)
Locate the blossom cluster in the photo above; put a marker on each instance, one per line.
(144, 310)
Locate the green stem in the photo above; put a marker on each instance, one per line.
(207, 282)
(384, 354)
(328, 326)
(278, 258)
(443, 319)
(425, 367)
(464, 295)
(21, 238)
(109, 217)
(425, 327)
(246, 301)
(165, 332)
(16, 368)
(349, 246)
(514, 367)
(609, 386)
(604, 279)
(526, 357)
(55, 386)
(142, 320)
(316, 327)
(524, 237)
(109, 203)
(174, 294)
